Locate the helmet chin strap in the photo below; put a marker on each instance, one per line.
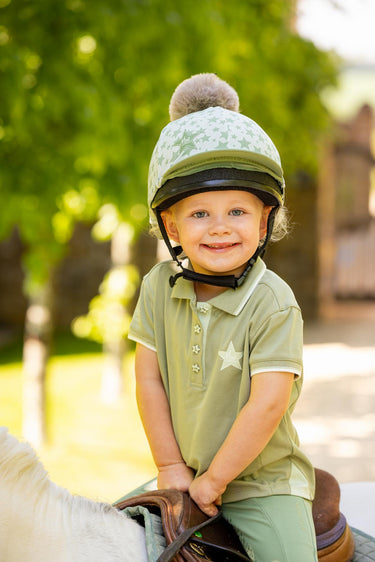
(230, 281)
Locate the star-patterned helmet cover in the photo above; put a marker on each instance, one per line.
(210, 139)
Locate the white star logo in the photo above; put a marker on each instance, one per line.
(231, 357)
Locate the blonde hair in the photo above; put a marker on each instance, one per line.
(281, 225)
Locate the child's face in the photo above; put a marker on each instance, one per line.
(218, 230)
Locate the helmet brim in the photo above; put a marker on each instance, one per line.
(261, 184)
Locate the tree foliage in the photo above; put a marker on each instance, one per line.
(85, 92)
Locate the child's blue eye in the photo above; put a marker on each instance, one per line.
(236, 212)
(200, 214)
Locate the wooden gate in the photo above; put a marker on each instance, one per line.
(355, 263)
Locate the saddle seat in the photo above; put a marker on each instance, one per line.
(334, 537)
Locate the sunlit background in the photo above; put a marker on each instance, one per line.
(340, 421)
(345, 26)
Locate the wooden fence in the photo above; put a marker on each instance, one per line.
(355, 263)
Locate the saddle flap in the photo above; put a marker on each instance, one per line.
(214, 540)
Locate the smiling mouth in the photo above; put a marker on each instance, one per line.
(221, 246)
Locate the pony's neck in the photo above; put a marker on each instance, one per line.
(40, 521)
(30, 505)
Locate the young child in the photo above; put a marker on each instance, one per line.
(219, 337)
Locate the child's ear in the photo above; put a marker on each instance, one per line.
(170, 225)
(264, 221)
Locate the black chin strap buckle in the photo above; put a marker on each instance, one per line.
(229, 281)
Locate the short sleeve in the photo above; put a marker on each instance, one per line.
(278, 343)
(142, 328)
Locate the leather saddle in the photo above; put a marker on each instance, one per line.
(191, 536)
(334, 537)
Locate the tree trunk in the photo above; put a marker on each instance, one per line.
(114, 350)
(38, 332)
(112, 377)
(142, 254)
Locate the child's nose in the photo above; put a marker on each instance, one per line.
(219, 225)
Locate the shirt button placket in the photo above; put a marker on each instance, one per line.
(196, 367)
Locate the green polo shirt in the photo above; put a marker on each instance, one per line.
(208, 353)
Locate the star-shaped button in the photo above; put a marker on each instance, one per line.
(231, 357)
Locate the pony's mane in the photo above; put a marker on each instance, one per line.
(19, 462)
(20, 467)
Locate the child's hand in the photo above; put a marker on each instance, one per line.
(206, 494)
(175, 476)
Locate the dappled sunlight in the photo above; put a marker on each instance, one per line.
(86, 44)
(341, 435)
(332, 360)
(335, 416)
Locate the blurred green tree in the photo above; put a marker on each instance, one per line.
(85, 88)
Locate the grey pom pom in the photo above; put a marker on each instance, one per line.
(200, 92)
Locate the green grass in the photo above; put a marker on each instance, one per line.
(94, 449)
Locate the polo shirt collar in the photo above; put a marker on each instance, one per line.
(231, 301)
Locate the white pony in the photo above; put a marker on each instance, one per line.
(42, 522)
